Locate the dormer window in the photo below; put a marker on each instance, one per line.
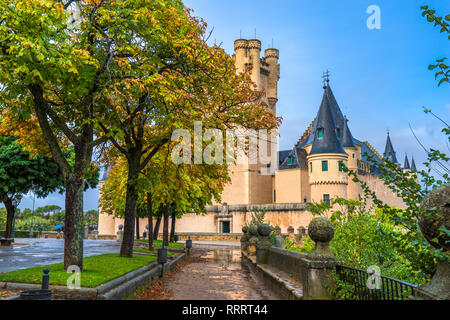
(289, 160)
(320, 133)
(338, 133)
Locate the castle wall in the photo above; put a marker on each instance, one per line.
(282, 215)
(382, 191)
(288, 186)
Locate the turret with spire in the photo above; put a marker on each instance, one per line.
(413, 165)
(406, 166)
(327, 155)
(389, 152)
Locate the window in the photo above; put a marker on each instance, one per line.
(225, 226)
(310, 166)
(324, 165)
(305, 200)
(326, 198)
(320, 133)
(353, 156)
(274, 196)
(341, 165)
(338, 133)
(289, 160)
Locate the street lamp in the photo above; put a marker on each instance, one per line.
(16, 202)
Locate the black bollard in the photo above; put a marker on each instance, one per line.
(43, 294)
(45, 279)
(162, 258)
(189, 244)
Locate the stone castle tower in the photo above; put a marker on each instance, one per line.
(248, 185)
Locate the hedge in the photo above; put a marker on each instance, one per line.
(21, 234)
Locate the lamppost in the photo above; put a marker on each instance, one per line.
(16, 202)
(32, 217)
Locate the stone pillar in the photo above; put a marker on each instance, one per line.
(253, 241)
(244, 238)
(320, 264)
(279, 240)
(120, 232)
(301, 232)
(435, 214)
(291, 235)
(263, 246)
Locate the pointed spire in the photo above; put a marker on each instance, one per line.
(325, 138)
(413, 165)
(337, 113)
(389, 152)
(406, 165)
(347, 138)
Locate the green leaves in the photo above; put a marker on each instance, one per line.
(444, 72)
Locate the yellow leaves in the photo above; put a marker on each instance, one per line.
(59, 10)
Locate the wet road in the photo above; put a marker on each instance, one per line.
(47, 251)
(216, 273)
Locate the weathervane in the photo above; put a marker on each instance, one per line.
(326, 78)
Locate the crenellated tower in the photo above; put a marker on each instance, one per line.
(248, 185)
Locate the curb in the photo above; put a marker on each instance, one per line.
(115, 289)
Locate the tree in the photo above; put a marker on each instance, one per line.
(165, 187)
(19, 174)
(90, 217)
(174, 78)
(54, 72)
(443, 70)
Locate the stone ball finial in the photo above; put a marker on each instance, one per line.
(264, 230)
(120, 226)
(277, 229)
(244, 229)
(321, 230)
(436, 207)
(290, 229)
(253, 230)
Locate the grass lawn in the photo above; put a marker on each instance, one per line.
(96, 270)
(158, 244)
(151, 251)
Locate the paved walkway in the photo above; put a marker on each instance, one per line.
(38, 252)
(210, 273)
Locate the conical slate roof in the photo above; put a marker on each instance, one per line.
(413, 165)
(406, 166)
(347, 138)
(389, 152)
(325, 121)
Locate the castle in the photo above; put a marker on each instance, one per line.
(311, 171)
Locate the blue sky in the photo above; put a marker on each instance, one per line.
(379, 77)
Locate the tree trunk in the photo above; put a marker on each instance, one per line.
(10, 211)
(166, 226)
(126, 250)
(73, 223)
(137, 228)
(150, 221)
(172, 229)
(157, 224)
